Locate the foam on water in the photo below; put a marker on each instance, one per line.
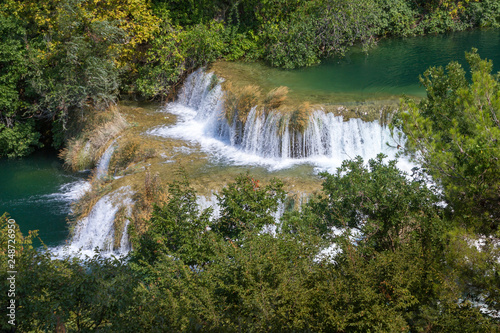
(103, 164)
(325, 143)
(96, 230)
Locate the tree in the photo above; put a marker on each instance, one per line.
(177, 229)
(454, 134)
(18, 135)
(246, 205)
(379, 200)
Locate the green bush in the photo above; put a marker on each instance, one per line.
(485, 13)
(19, 140)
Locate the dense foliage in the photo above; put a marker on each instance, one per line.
(374, 251)
(455, 134)
(63, 59)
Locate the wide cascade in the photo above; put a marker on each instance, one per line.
(264, 137)
(270, 136)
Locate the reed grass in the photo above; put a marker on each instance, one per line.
(240, 101)
(132, 152)
(83, 151)
(299, 117)
(275, 98)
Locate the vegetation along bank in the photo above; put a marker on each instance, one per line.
(65, 61)
(374, 250)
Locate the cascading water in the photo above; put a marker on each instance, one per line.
(103, 164)
(269, 138)
(97, 229)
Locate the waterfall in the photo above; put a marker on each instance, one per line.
(103, 164)
(125, 246)
(97, 229)
(269, 138)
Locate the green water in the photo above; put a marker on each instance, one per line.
(384, 73)
(32, 191)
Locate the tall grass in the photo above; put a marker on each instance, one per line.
(299, 117)
(239, 101)
(275, 98)
(131, 152)
(83, 151)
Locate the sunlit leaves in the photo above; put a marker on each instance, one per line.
(455, 134)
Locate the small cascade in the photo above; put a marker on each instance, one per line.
(74, 191)
(270, 138)
(97, 229)
(103, 164)
(125, 246)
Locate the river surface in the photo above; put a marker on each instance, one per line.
(37, 192)
(386, 72)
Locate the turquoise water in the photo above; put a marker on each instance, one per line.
(386, 71)
(36, 192)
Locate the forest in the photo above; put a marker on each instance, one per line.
(375, 250)
(64, 61)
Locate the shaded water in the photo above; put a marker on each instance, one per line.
(37, 193)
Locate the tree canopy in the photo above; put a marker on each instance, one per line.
(454, 134)
(62, 61)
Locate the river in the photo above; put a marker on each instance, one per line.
(37, 192)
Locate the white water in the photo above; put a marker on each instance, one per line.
(74, 191)
(96, 230)
(103, 165)
(326, 142)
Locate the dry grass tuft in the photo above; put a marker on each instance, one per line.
(299, 118)
(152, 193)
(275, 98)
(83, 152)
(132, 152)
(84, 205)
(239, 101)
